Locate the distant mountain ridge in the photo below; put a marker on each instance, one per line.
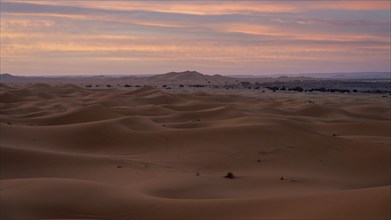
(347, 75)
(8, 77)
(194, 77)
(186, 76)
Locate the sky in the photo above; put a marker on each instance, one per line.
(88, 37)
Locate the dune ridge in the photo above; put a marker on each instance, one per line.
(74, 153)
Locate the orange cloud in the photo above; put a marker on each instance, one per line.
(9, 24)
(194, 8)
(23, 23)
(350, 5)
(31, 36)
(294, 34)
(219, 8)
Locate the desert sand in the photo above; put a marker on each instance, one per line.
(144, 153)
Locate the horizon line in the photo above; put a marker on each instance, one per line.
(154, 74)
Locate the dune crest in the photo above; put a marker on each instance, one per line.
(148, 153)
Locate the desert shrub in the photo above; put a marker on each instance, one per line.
(229, 175)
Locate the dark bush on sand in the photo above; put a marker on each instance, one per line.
(229, 175)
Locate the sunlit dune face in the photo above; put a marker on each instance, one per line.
(228, 37)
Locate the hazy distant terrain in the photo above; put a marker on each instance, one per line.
(357, 75)
(354, 82)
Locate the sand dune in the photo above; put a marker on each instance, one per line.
(73, 153)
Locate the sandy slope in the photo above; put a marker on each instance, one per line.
(71, 153)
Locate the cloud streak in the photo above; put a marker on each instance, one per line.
(227, 37)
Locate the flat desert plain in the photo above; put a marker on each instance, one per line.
(74, 153)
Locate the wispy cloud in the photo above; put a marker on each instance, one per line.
(222, 36)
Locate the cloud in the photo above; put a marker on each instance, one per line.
(215, 7)
(208, 34)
